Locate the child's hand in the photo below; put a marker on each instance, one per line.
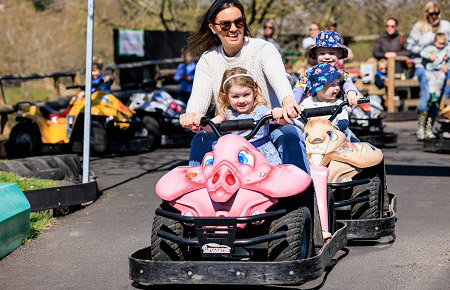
(432, 57)
(445, 57)
(445, 68)
(107, 78)
(352, 98)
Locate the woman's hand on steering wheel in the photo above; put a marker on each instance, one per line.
(291, 109)
(191, 121)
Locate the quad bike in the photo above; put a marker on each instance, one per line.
(367, 124)
(44, 129)
(356, 176)
(236, 219)
(442, 141)
(161, 112)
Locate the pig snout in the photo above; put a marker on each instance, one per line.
(223, 184)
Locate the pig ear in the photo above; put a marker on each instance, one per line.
(178, 181)
(282, 181)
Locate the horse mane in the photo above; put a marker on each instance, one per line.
(317, 122)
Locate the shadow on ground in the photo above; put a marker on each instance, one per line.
(418, 170)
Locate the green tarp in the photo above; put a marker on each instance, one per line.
(14, 217)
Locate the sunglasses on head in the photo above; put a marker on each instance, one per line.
(226, 25)
(434, 13)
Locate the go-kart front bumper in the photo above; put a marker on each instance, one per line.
(143, 270)
(372, 229)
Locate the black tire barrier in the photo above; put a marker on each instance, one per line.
(57, 167)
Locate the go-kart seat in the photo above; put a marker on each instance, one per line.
(49, 112)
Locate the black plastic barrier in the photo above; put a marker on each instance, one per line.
(57, 197)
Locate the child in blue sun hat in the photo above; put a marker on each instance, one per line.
(328, 49)
(324, 89)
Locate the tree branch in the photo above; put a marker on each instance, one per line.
(161, 16)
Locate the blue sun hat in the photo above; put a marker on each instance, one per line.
(320, 75)
(328, 38)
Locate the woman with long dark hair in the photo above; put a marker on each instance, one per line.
(224, 41)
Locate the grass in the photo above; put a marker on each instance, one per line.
(38, 220)
(14, 94)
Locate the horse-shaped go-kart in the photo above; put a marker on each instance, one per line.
(356, 175)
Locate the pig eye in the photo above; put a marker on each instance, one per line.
(246, 158)
(333, 136)
(208, 160)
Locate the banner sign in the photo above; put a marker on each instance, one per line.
(131, 42)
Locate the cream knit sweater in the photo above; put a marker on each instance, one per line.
(258, 56)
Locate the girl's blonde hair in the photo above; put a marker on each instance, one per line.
(424, 26)
(242, 81)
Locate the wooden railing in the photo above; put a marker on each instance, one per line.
(394, 83)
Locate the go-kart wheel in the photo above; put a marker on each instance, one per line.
(152, 126)
(24, 140)
(331, 212)
(98, 137)
(368, 209)
(298, 242)
(162, 249)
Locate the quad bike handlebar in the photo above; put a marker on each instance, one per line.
(236, 125)
(254, 126)
(18, 105)
(329, 110)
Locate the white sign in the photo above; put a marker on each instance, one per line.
(213, 248)
(131, 42)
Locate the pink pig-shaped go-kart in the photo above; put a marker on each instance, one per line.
(235, 205)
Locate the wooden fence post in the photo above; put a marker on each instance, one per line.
(4, 125)
(56, 92)
(391, 85)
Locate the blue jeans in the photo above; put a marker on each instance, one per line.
(424, 94)
(446, 89)
(287, 138)
(424, 103)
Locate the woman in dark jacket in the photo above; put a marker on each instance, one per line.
(390, 43)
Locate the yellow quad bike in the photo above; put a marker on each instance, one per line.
(356, 175)
(44, 129)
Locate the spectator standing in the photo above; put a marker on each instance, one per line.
(270, 34)
(185, 76)
(314, 29)
(390, 43)
(436, 60)
(422, 34)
